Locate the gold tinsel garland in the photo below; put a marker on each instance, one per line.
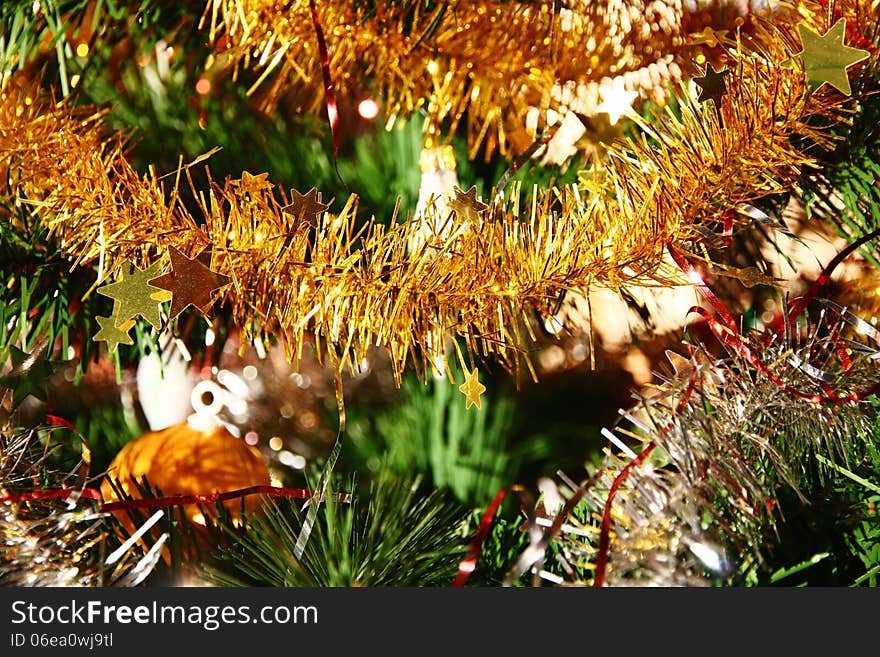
(352, 287)
(489, 62)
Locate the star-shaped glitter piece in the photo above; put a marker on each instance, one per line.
(683, 367)
(253, 183)
(616, 101)
(466, 204)
(28, 374)
(593, 181)
(190, 282)
(134, 296)
(472, 389)
(111, 334)
(708, 36)
(826, 58)
(305, 207)
(248, 178)
(712, 85)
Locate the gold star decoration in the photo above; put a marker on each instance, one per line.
(466, 204)
(748, 276)
(28, 374)
(253, 184)
(249, 180)
(593, 180)
(712, 85)
(111, 334)
(134, 295)
(697, 365)
(708, 36)
(472, 389)
(190, 282)
(826, 58)
(616, 100)
(305, 207)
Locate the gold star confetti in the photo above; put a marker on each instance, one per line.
(305, 207)
(260, 179)
(190, 282)
(134, 295)
(28, 374)
(616, 101)
(708, 36)
(593, 180)
(161, 296)
(712, 85)
(683, 367)
(111, 334)
(748, 276)
(826, 58)
(466, 204)
(368, 291)
(253, 183)
(472, 389)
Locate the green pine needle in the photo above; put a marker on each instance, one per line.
(429, 432)
(398, 536)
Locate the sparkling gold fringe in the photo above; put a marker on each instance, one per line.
(348, 286)
(486, 62)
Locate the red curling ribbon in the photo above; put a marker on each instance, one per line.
(329, 90)
(692, 384)
(797, 306)
(843, 357)
(841, 350)
(734, 341)
(695, 278)
(212, 498)
(54, 494)
(59, 421)
(165, 502)
(728, 229)
(469, 563)
(605, 535)
(728, 334)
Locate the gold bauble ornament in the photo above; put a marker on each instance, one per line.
(182, 460)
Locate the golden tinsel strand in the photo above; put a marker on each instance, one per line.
(488, 62)
(353, 286)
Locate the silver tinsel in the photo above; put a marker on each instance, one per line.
(701, 507)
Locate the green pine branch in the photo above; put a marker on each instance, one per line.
(51, 34)
(397, 536)
(42, 298)
(845, 191)
(429, 432)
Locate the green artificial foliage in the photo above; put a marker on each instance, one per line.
(845, 192)
(394, 535)
(42, 296)
(506, 540)
(426, 466)
(48, 33)
(429, 432)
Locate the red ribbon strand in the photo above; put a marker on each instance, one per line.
(605, 535)
(164, 502)
(726, 330)
(329, 89)
(469, 563)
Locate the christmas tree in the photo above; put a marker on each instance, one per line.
(427, 293)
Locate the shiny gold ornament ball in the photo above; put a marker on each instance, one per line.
(181, 460)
